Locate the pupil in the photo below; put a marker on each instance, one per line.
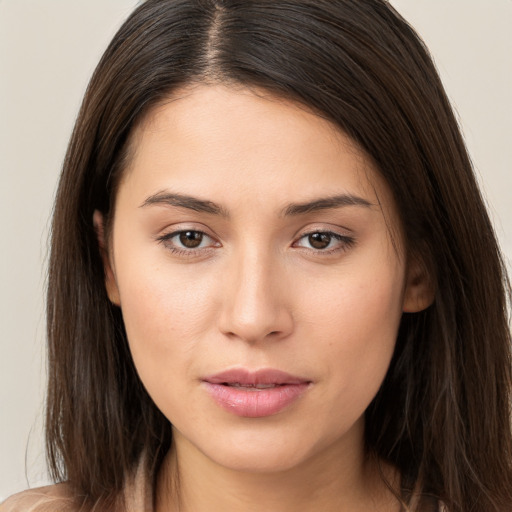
(191, 239)
(319, 240)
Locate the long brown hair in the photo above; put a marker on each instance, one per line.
(442, 415)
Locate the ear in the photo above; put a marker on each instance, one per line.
(110, 278)
(419, 287)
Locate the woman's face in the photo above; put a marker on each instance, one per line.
(256, 255)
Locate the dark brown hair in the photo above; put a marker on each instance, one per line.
(442, 415)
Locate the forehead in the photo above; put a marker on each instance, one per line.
(214, 140)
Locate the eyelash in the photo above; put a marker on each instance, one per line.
(344, 242)
(166, 240)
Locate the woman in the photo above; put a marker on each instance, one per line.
(273, 283)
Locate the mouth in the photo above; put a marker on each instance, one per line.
(251, 387)
(255, 394)
(260, 379)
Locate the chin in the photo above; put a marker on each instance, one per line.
(268, 450)
(260, 461)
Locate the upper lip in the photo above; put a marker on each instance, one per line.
(253, 378)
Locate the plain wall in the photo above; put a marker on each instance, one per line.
(48, 50)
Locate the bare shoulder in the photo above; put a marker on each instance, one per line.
(50, 498)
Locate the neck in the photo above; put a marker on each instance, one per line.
(331, 481)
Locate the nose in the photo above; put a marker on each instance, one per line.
(255, 305)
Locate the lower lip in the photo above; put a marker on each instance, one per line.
(254, 403)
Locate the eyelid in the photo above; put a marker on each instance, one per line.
(166, 239)
(181, 227)
(345, 241)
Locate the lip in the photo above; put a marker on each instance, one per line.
(237, 392)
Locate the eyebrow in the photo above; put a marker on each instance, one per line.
(185, 201)
(326, 203)
(205, 206)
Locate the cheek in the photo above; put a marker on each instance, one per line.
(166, 315)
(355, 324)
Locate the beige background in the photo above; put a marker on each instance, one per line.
(48, 50)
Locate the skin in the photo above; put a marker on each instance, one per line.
(257, 294)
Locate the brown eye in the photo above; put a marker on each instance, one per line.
(188, 242)
(191, 239)
(325, 242)
(319, 240)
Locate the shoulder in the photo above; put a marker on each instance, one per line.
(51, 498)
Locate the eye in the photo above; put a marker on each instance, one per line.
(325, 241)
(190, 239)
(187, 240)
